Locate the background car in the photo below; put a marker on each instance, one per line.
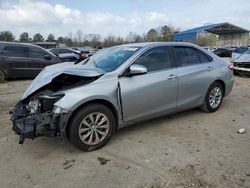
(210, 49)
(79, 55)
(87, 50)
(241, 65)
(19, 60)
(239, 51)
(223, 52)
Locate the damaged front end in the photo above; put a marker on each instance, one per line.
(36, 115)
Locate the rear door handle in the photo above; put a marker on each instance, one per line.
(172, 76)
(209, 69)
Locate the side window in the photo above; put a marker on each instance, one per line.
(55, 51)
(14, 51)
(204, 58)
(186, 56)
(65, 51)
(155, 59)
(36, 52)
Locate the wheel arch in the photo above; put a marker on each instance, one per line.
(222, 84)
(104, 102)
(3, 70)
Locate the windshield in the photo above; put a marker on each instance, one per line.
(110, 59)
(241, 50)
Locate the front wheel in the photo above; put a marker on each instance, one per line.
(91, 127)
(214, 98)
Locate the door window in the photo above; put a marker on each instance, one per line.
(155, 59)
(65, 51)
(186, 56)
(55, 51)
(204, 58)
(36, 52)
(14, 51)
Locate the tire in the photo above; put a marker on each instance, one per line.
(208, 105)
(2, 76)
(86, 140)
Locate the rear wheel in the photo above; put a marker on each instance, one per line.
(91, 127)
(2, 76)
(214, 98)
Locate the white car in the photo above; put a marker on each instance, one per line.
(239, 51)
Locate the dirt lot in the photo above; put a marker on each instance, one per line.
(189, 149)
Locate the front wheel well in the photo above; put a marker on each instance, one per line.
(97, 101)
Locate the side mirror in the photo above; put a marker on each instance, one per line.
(137, 70)
(47, 57)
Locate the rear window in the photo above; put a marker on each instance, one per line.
(14, 51)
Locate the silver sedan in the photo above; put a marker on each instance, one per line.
(117, 87)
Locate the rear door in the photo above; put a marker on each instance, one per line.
(153, 93)
(195, 74)
(16, 62)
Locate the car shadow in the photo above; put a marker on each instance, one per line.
(156, 122)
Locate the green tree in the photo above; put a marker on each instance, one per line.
(38, 38)
(6, 36)
(24, 37)
(167, 33)
(206, 39)
(51, 38)
(60, 39)
(152, 35)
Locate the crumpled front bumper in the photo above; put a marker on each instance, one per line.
(32, 125)
(25, 127)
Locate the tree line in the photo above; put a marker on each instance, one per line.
(161, 33)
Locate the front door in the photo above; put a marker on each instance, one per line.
(38, 60)
(153, 93)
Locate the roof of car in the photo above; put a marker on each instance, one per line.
(147, 44)
(17, 43)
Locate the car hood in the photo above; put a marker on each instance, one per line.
(53, 71)
(243, 58)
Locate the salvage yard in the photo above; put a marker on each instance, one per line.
(189, 149)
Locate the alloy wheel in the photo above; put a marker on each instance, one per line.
(215, 97)
(94, 128)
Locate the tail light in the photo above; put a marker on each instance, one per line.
(83, 56)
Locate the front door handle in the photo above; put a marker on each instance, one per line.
(172, 76)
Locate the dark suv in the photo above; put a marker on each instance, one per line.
(24, 60)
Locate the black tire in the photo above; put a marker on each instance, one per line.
(2, 76)
(206, 107)
(80, 115)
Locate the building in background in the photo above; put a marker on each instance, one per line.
(46, 44)
(225, 33)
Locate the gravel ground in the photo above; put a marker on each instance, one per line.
(188, 149)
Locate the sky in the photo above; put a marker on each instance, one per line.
(117, 17)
